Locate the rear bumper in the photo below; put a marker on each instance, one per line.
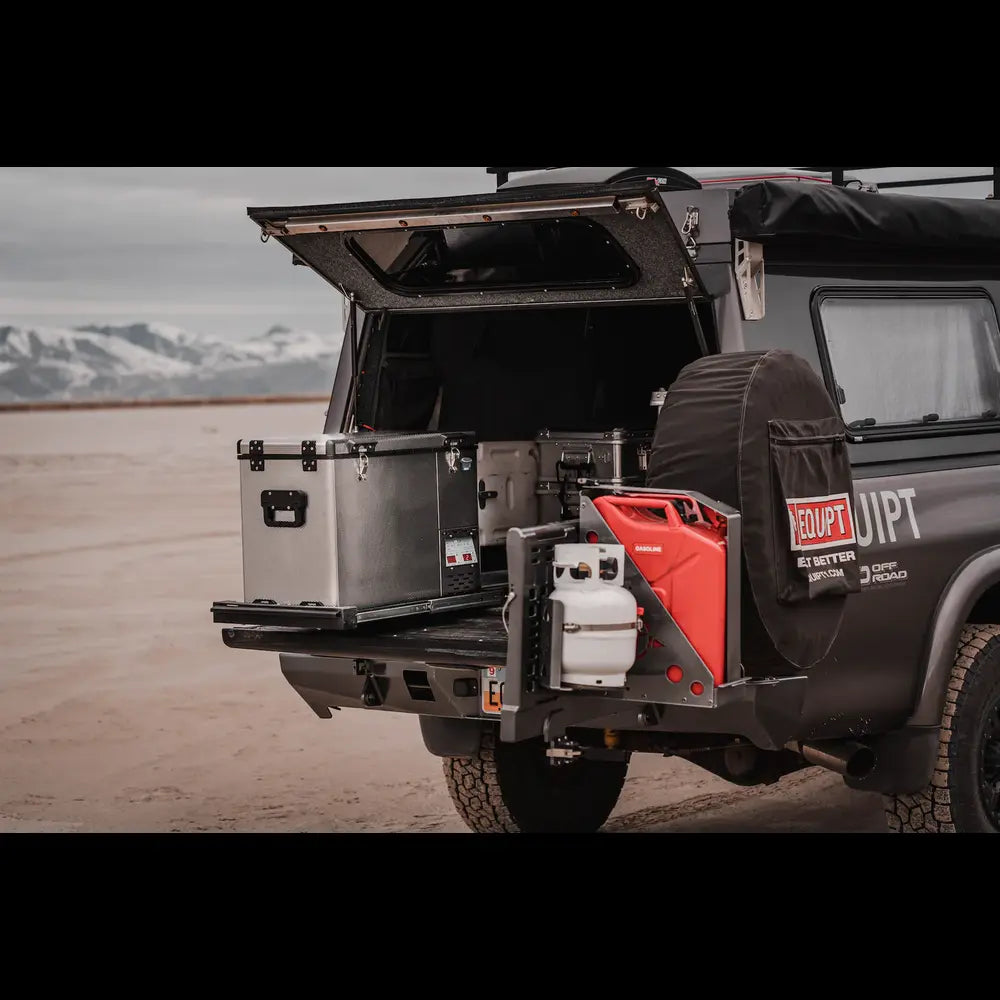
(766, 712)
(328, 682)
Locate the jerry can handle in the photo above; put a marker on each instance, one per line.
(664, 503)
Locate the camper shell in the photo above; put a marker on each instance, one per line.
(574, 299)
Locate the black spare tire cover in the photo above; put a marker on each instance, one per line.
(758, 430)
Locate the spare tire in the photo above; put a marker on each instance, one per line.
(759, 431)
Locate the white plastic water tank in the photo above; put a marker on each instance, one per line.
(599, 615)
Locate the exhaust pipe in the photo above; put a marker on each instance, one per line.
(846, 757)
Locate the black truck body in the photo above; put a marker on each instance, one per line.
(890, 299)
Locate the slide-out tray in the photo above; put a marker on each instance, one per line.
(312, 616)
(462, 637)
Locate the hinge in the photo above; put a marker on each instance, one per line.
(256, 448)
(308, 456)
(748, 263)
(639, 206)
(691, 231)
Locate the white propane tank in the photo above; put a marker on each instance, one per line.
(599, 615)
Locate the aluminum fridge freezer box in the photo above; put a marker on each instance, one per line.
(508, 480)
(359, 520)
(617, 457)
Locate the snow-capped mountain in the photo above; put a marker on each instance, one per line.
(147, 360)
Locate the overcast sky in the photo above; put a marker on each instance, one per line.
(130, 244)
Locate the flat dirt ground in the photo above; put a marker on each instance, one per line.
(122, 711)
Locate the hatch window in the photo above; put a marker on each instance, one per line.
(536, 253)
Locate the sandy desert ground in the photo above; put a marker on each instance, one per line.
(121, 710)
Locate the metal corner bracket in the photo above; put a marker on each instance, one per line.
(748, 263)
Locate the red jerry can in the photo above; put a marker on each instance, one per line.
(685, 564)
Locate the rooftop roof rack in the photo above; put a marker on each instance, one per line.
(837, 176)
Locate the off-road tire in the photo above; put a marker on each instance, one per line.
(955, 799)
(513, 788)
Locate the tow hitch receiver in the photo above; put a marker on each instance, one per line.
(563, 751)
(374, 690)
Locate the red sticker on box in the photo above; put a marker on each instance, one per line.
(459, 550)
(820, 522)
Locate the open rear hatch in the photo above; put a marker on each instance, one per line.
(534, 247)
(602, 243)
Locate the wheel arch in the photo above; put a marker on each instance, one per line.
(973, 588)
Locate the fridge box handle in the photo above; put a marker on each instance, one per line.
(277, 504)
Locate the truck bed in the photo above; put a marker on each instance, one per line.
(470, 637)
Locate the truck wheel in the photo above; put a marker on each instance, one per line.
(964, 793)
(512, 788)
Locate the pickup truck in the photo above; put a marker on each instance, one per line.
(819, 451)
